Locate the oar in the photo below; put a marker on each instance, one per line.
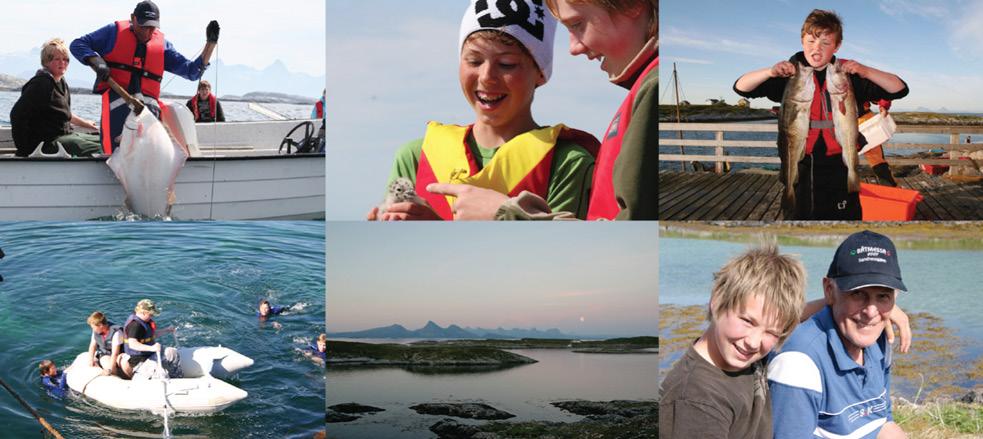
(163, 382)
(134, 102)
(44, 423)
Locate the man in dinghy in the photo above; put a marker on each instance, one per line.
(135, 55)
(140, 344)
(106, 344)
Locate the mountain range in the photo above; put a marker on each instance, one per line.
(234, 79)
(433, 330)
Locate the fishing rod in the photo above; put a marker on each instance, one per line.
(40, 419)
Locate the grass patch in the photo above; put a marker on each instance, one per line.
(939, 419)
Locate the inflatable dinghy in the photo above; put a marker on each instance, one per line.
(198, 392)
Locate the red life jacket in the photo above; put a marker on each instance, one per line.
(122, 63)
(603, 203)
(319, 108)
(821, 121)
(522, 164)
(211, 107)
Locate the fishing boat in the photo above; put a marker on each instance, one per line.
(244, 170)
(200, 391)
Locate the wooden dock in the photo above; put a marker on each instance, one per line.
(707, 196)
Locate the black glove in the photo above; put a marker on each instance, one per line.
(99, 66)
(211, 32)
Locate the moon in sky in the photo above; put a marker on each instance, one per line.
(581, 319)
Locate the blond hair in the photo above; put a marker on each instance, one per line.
(616, 6)
(498, 36)
(52, 47)
(97, 318)
(44, 366)
(779, 279)
(819, 22)
(322, 338)
(204, 83)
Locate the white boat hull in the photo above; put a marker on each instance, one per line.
(196, 393)
(234, 180)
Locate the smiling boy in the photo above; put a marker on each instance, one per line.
(822, 191)
(718, 388)
(506, 52)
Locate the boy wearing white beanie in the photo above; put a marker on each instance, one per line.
(506, 52)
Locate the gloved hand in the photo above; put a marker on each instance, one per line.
(211, 32)
(99, 66)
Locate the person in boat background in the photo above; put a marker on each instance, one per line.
(822, 192)
(624, 35)
(319, 349)
(140, 344)
(875, 156)
(318, 111)
(55, 381)
(105, 345)
(43, 113)
(504, 56)
(135, 55)
(204, 105)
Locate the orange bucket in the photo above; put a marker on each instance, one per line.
(885, 203)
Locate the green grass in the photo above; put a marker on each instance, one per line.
(939, 419)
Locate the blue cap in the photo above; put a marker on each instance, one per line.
(866, 259)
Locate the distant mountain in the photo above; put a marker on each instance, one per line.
(234, 79)
(433, 330)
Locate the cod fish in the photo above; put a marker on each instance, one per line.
(793, 126)
(845, 123)
(146, 164)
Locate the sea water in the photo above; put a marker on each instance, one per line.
(525, 390)
(943, 283)
(206, 278)
(89, 106)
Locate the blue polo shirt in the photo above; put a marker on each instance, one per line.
(818, 391)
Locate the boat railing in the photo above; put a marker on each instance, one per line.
(720, 146)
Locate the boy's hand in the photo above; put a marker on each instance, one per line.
(408, 211)
(851, 66)
(783, 69)
(472, 203)
(898, 317)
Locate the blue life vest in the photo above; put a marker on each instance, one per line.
(104, 345)
(150, 328)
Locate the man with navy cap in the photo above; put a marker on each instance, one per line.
(833, 376)
(135, 54)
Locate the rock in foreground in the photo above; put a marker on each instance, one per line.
(351, 407)
(462, 410)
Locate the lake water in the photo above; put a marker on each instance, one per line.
(207, 279)
(524, 391)
(944, 283)
(770, 152)
(89, 106)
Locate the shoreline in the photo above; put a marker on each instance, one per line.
(964, 235)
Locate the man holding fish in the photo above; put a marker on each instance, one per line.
(818, 129)
(135, 55)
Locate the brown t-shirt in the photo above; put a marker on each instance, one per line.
(698, 400)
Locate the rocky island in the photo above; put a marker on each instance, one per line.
(390, 354)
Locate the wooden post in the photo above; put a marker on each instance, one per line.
(719, 152)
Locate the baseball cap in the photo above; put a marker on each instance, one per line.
(147, 14)
(866, 259)
(148, 306)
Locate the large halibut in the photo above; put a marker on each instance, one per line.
(845, 124)
(146, 164)
(793, 128)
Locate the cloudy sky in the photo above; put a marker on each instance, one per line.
(936, 46)
(393, 66)
(254, 34)
(594, 279)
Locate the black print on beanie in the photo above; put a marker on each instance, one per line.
(515, 12)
